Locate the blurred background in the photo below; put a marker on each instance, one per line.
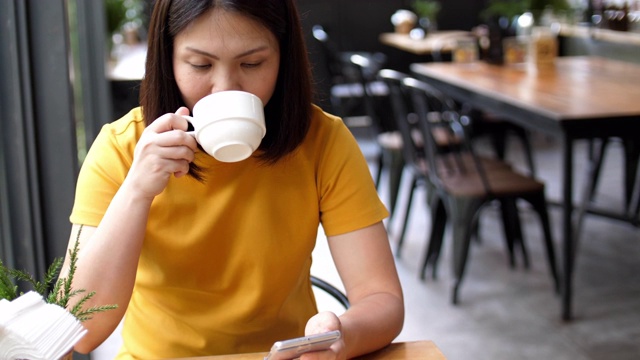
(69, 66)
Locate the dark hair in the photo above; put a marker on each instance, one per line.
(288, 112)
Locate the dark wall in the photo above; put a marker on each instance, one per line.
(356, 24)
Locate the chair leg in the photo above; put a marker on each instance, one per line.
(631, 160)
(596, 157)
(509, 231)
(539, 203)
(476, 232)
(634, 204)
(520, 236)
(513, 231)
(396, 167)
(438, 233)
(462, 217)
(523, 135)
(632, 179)
(405, 221)
(438, 225)
(380, 165)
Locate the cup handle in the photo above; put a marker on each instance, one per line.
(190, 121)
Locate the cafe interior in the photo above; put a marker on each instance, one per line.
(523, 244)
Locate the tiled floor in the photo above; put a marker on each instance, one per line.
(509, 313)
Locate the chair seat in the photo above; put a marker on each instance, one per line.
(501, 183)
(465, 161)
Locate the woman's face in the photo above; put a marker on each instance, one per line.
(225, 51)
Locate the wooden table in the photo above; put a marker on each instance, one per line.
(417, 350)
(576, 98)
(439, 41)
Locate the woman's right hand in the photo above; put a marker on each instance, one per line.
(164, 149)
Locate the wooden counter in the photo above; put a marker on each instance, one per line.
(416, 350)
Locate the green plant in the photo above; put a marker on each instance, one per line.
(427, 8)
(120, 12)
(512, 8)
(62, 291)
(506, 8)
(555, 5)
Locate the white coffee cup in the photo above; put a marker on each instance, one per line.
(229, 125)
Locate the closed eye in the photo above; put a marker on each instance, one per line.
(200, 66)
(251, 65)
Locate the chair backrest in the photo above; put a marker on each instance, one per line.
(448, 161)
(373, 91)
(338, 62)
(330, 54)
(405, 118)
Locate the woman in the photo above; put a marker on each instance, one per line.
(218, 261)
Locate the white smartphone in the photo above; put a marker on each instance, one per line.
(293, 348)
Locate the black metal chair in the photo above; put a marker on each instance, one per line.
(414, 157)
(331, 290)
(383, 127)
(459, 189)
(345, 92)
(411, 150)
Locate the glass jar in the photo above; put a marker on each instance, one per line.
(544, 46)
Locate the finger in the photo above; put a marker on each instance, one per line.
(321, 322)
(181, 152)
(183, 110)
(158, 167)
(175, 138)
(169, 121)
(184, 170)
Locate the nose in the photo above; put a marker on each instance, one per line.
(224, 80)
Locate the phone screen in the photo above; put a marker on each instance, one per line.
(293, 348)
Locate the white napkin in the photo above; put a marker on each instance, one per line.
(32, 329)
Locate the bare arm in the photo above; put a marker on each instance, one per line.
(108, 256)
(367, 269)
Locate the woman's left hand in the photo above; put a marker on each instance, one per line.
(320, 323)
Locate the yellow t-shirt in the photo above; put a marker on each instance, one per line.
(225, 264)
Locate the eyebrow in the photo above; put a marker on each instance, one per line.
(248, 52)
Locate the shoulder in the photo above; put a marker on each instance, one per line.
(123, 132)
(118, 138)
(321, 117)
(325, 126)
(130, 123)
(329, 140)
